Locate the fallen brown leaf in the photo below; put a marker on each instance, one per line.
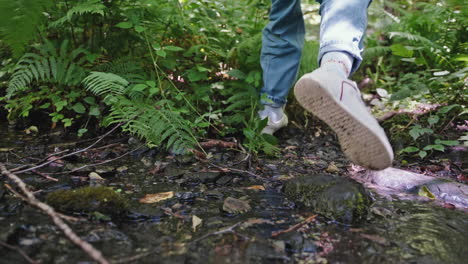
(156, 197)
(256, 187)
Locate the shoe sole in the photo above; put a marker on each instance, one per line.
(360, 144)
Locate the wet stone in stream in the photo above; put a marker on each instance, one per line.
(333, 196)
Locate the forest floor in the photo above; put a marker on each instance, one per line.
(227, 207)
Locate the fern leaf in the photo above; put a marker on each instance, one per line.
(19, 21)
(105, 83)
(84, 7)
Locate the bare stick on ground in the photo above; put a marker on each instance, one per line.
(294, 227)
(32, 200)
(20, 251)
(69, 154)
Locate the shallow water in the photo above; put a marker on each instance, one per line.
(394, 232)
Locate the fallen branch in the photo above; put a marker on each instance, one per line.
(134, 258)
(219, 232)
(20, 251)
(294, 227)
(95, 164)
(69, 233)
(234, 170)
(218, 143)
(45, 176)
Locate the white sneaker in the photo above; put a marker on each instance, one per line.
(276, 120)
(337, 101)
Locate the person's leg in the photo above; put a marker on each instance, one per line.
(328, 94)
(282, 42)
(342, 30)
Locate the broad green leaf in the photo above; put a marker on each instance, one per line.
(90, 100)
(237, 74)
(447, 108)
(44, 106)
(422, 154)
(161, 53)
(433, 119)
(94, 111)
(82, 131)
(139, 28)
(410, 149)
(436, 147)
(139, 87)
(402, 51)
(79, 108)
(59, 105)
(124, 25)
(67, 122)
(447, 142)
(173, 48)
(424, 191)
(151, 83)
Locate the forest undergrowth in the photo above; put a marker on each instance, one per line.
(177, 72)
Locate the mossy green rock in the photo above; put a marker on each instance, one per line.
(335, 197)
(88, 199)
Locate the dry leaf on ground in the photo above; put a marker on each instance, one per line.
(156, 197)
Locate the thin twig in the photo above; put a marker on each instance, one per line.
(20, 251)
(44, 175)
(95, 164)
(69, 154)
(294, 227)
(235, 170)
(219, 232)
(134, 258)
(69, 233)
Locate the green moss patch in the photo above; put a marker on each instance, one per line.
(88, 199)
(335, 197)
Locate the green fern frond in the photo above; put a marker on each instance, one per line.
(102, 83)
(126, 67)
(157, 126)
(374, 52)
(414, 38)
(47, 66)
(19, 21)
(86, 7)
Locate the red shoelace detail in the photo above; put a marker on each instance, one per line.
(342, 88)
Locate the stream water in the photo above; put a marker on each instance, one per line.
(394, 231)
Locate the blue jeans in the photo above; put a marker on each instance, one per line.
(342, 28)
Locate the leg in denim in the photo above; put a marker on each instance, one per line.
(342, 28)
(283, 39)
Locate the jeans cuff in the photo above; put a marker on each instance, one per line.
(342, 47)
(273, 101)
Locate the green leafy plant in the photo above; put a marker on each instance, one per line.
(19, 22)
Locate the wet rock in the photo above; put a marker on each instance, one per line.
(95, 179)
(405, 181)
(147, 162)
(88, 199)
(122, 169)
(203, 177)
(224, 180)
(335, 197)
(186, 196)
(105, 170)
(172, 172)
(235, 206)
(214, 195)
